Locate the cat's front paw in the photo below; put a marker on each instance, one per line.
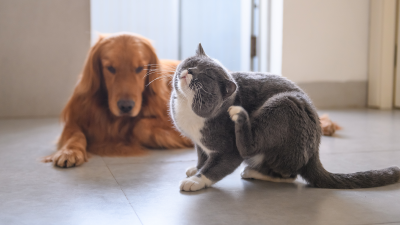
(195, 183)
(234, 112)
(191, 171)
(248, 173)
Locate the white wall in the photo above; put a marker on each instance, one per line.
(325, 40)
(43, 45)
(157, 20)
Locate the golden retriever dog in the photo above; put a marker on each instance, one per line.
(119, 106)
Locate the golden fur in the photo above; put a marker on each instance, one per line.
(93, 121)
(328, 127)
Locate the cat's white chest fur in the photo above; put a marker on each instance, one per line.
(189, 123)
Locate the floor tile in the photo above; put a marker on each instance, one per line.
(25, 142)
(43, 194)
(178, 155)
(363, 130)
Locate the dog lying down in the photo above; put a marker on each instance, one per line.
(120, 105)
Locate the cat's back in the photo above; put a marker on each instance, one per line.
(254, 88)
(263, 82)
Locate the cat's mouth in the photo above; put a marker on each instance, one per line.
(185, 78)
(183, 74)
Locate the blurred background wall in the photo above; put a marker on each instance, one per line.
(43, 45)
(325, 50)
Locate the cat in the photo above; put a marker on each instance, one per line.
(262, 119)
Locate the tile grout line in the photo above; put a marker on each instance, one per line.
(123, 192)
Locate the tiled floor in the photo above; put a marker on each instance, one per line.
(145, 190)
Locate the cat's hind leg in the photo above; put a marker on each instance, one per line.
(285, 129)
(249, 173)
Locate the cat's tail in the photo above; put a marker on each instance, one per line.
(315, 174)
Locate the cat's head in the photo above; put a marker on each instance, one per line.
(204, 82)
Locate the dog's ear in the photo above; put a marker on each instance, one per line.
(91, 76)
(154, 84)
(100, 36)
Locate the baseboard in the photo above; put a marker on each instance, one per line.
(325, 95)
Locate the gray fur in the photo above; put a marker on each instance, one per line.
(279, 122)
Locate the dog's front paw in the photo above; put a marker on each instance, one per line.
(195, 183)
(68, 158)
(191, 171)
(234, 112)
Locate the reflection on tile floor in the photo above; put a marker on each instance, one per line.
(145, 190)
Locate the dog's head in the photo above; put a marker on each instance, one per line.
(119, 67)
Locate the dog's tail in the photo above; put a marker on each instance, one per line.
(315, 174)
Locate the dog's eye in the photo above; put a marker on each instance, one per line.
(139, 69)
(111, 69)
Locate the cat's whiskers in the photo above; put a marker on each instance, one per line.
(201, 87)
(162, 72)
(198, 97)
(158, 66)
(158, 78)
(200, 100)
(160, 69)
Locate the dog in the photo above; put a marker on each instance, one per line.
(119, 106)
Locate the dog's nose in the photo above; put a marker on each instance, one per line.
(125, 105)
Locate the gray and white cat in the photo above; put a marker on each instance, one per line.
(262, 119)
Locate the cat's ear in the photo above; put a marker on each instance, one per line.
(200, 51)
(230, 89)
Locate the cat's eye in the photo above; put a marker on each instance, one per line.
(111, 69)
(139, 69)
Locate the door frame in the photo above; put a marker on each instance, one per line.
(382, 45)
(397, 73)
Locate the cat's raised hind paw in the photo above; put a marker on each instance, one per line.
(195, 183)
(191, 171)
(234, 112)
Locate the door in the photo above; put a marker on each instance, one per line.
(217, 26)
(382, 45)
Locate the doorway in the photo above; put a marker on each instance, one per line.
(227, 29)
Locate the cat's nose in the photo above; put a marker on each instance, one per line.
(190, 71)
